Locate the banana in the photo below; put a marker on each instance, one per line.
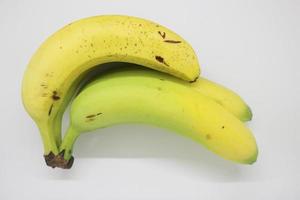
(220, 94)
(150, 97)
(63, 60)
(224, 96)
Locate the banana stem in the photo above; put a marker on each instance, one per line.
(57, 128)
(49, 142)
(68, 142)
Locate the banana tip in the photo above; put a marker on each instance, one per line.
(252, 159)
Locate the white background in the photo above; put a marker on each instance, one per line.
(252, 47)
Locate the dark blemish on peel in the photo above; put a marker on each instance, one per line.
(54, 96)
(140, 25)
(92, 44)
(208, 137)
(60, 47)
(223, 127)
(44, 86)
(194, 80)
(162, 34)
(172, 41)
(162, 79)
(50, 110)
(159, 88)
(92, 115)
(161, 60)
(90, 119)
(49, 74)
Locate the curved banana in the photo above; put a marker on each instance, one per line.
(230, 100)
(63, 60)
(227, 98)
(146, 97)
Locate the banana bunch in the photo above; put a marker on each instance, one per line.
(169, 94)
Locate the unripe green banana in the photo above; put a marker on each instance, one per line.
(59, 64)
(149, 97)
(227, 98)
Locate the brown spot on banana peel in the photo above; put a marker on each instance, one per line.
(44, 86)
(162, 34)
(90, 116)
(54, 96)
(93, 115)
(172, 41)
(161, 60)
(50, 110)
(208, 137)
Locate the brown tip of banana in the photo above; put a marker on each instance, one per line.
(59, 161)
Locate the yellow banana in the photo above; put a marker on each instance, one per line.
(147, 96)
(64, 59)
(225, 97)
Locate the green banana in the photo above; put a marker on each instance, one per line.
(145, 96)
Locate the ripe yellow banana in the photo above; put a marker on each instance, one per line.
(147, 96)
(59, 64)
(225, 97)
